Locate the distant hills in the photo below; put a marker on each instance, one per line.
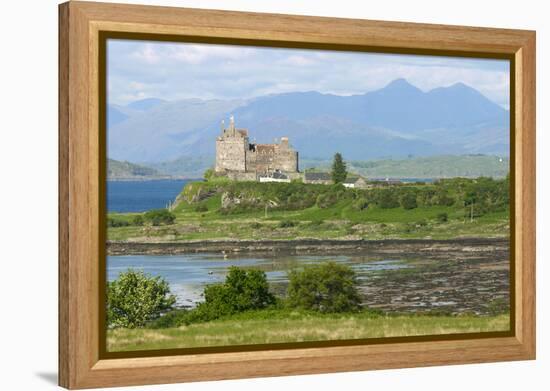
(470, 166)
(129, 171)
(466, 166)
(393, 122)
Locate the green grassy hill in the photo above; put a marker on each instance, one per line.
(250, 210)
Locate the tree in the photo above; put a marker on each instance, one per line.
(339, 170)
(326, 287)
(135, 298)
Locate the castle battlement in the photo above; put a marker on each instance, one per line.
(235, 154)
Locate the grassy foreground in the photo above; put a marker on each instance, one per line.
(277, 326)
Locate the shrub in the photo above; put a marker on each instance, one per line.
(421, 223)
(135, 298)
(256, 225)
(174, 318)
(426, 197)
(327, 287)
(387, 199)
(361, 204)
(159, 217)
(138, 220)
(408, 200)
(201, 208)
(442, 217)
(326, 200)
(497, 307)
(243, 290)
(208, 174)
(114, 222)
(287, 224)
(442, 198)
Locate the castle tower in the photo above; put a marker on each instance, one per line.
(232, 124)
(231, 148)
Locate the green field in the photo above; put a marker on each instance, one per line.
(277, 326)
(292, 211)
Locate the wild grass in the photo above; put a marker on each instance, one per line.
(279, 326)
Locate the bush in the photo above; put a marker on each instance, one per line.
(159, 217)
(361, 204)
(173, 318)
(208, 174)
(443, 198)
(243, 290)
(442, 217)
(387, 199)
(326, 200)
(138, 220)
(421, 223)
(408, 200)
(497, 307)
(201, 208)
(326, 287)
(135, 298)
(113, 222)
(287, 224)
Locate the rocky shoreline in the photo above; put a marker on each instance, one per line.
(305, 246)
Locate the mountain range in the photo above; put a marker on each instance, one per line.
(396, 121)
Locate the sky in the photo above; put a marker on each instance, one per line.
(174, 71)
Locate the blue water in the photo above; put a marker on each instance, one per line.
(140, 196)
(188, 274)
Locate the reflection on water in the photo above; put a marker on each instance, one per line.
(188, 274)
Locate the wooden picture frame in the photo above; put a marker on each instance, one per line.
(81, 169)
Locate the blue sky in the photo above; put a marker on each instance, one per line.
(173, 71)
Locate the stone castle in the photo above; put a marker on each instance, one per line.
(240, 159)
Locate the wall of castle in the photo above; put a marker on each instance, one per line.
(242, 176)
(250, 160)
(265, 161)
(286, 160)
(231, 154)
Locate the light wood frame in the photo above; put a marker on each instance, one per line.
(80, 167)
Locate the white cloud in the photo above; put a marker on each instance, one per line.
(175, 71)
(147, 54)
(297, 60)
